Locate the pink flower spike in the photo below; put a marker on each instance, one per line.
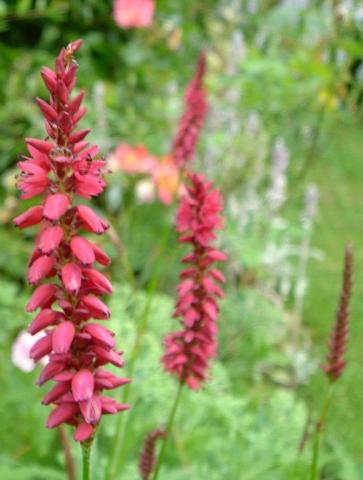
(42, 297)
(91, 409)
(71, 277)
(55, 206)
(40, 268)
(30, 217)
(83, 385)
(59, 169)
(82, 249)
(63, 337)
(50, 239)
(83, 432)
(61, 414)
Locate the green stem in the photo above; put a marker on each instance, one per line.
(319, 431)
(86, 459)
(168, 431)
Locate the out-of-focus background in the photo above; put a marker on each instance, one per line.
(284, 143)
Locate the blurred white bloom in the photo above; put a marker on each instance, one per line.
(21, 348)
(145, 191)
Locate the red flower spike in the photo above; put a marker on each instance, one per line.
(192, 120)
(147, 456)
(59, 169)
(335, 362)
(188, 351)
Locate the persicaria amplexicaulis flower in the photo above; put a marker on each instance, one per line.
(335, 362)
(192, 120)
(188, 351)
(147, 456)
(62, 168)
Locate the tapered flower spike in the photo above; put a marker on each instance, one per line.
(147, 456)
(188, 351)
(335, 362)
(192, 120)
(61, 266)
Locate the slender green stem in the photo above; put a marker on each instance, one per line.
(169, 427)
(86, 459)
(319, 431)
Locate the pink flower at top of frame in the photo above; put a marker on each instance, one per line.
(133, 13)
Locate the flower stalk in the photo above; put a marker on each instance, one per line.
(168, 430)
(86, 459)
(335, 363)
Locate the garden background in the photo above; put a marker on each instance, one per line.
(283, 142)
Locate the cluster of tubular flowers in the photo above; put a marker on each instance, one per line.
(335, 362)
(189, 350)
(61, 168)
(193, 118)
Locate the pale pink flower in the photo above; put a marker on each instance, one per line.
(133, 13)
(21, 348)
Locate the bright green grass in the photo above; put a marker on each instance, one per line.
(339, 174)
